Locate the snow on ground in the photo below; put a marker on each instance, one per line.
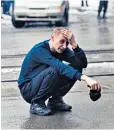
(5, 19)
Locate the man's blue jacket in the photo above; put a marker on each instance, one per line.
(40, 57)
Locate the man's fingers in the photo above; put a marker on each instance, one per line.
(92, 87)
(96, 87)
(99, 86)
(63, 31)
(67, 34)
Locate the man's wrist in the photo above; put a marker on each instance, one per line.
(83, 77)
(74, 46)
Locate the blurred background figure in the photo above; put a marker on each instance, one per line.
(84, 1)
(7, 6)
(103, 4)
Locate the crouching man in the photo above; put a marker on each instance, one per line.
(44, 75)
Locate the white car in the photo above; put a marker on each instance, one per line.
(55, 11)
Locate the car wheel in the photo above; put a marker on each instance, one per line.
(50, 24)
(58, 23)
(17, 24)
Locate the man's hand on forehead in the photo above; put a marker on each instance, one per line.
(65, 32)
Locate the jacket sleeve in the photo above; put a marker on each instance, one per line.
(77, 57)
(44, 56)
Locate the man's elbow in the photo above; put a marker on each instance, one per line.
(85, 64)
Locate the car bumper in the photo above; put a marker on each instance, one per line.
(46, 19)
(38, 15)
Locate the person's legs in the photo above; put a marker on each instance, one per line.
(39, 90)
(86, 3)
(56, 102)
(64, 86)
(47, 81)
(105, 8)
(82, 3)
(100, 8)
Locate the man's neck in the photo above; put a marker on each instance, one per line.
(51, 46)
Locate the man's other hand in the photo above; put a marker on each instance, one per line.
(94, 85)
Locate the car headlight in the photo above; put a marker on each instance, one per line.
(59, 7)
(56, 8)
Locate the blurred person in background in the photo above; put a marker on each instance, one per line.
(84, 1)
(103, 5)
(6, 6)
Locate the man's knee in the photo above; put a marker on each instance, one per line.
(53, 72)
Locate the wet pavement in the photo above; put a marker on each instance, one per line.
(85, 113)
(96, 37)
(90, 33)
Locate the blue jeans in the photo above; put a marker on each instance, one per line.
(47, 83)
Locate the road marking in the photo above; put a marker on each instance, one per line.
(90, 65)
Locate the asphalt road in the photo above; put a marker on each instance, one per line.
(97, 40)
(87, 29)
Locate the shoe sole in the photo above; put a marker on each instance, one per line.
(59, 109)
(40, 114)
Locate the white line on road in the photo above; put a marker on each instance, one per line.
(90, 65)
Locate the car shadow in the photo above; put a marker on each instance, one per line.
(40, 24)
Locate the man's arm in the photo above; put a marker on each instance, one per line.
(43, 56)
(76, 57)
(90, 82)
(79, 53)
(79, 59)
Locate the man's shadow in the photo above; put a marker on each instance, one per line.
(38, 24)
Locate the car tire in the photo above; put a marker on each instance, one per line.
(50, 24)
(58, 23)
(17, 24)
(64, 21)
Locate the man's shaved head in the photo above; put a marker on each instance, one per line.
(59, 39)
(65, 32)
(58, 31)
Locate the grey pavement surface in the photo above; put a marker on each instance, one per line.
(85, 113)
(91, 35)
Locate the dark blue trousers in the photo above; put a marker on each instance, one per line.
(45, 84)
(102, 4)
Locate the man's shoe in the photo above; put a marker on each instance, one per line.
(40, 109)
(58, 104)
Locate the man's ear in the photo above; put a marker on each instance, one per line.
(52, 37)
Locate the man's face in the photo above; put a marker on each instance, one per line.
(60, 43)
